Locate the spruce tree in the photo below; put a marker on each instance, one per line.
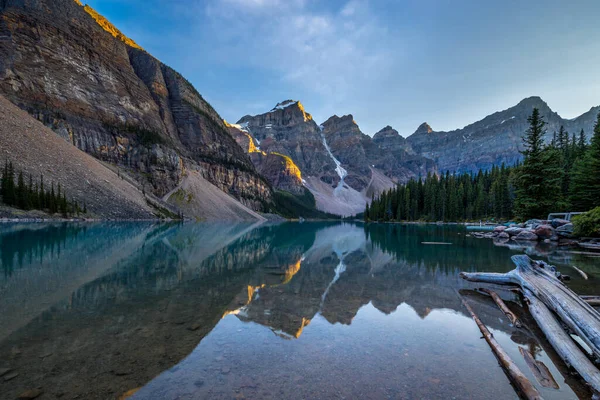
(538, 182)
(585, 180)
(581, 144)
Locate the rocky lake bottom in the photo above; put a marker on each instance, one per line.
(272, 311)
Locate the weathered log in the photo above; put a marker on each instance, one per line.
(539, 370)
(502, 305)
(562, 342)
(518, 379)
(538, 279)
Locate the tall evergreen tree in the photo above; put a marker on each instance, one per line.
(585, 180)
(539, 177)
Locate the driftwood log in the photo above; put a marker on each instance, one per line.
(518, 379)
(545, 292)
(502, 305)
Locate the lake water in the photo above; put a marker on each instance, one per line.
(289, 311)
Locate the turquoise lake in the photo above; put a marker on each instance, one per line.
(282, 311)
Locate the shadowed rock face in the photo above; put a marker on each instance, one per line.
(494, 140)
(393, 155)
(75, 72)
(345, 140)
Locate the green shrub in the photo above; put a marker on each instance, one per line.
(587, 224)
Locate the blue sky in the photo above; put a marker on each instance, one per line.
(387, 62)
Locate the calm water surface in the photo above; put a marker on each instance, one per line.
(290, 311)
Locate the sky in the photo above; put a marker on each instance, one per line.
(386, 62)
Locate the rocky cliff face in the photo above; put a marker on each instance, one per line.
(494, 140)
(392, 154)
(341, 166)
(289, 130)
(345, 141)
(75, 72)
(278, 169)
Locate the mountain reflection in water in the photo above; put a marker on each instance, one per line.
(313, 310)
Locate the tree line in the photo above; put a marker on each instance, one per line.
(563, 175)
(28, 195)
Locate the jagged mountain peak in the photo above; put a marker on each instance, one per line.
(424, 128)
(293, 106)
(386, 132)
(334, 119)
(532, 101)
(345, 123)
(285, 104)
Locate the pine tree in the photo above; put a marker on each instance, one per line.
(42, 194)
(21, 192)
(585, 180)
(539, 178)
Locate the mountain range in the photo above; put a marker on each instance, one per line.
(76, 73)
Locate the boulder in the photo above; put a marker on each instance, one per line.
(503, 235)
(499, 228)
(565, 230)
(559, 222)
(533, 223)
(544, 231)
(513, 231)
(526, 236)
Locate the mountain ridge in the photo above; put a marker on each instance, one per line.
(101, 92)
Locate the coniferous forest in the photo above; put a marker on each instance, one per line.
(562, 175)
(22, 193)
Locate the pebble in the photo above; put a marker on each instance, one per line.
(30, 394)
(194, 327)
(225, 370)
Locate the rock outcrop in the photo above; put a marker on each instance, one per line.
(494, 140)
(78, 74)
(278, 169)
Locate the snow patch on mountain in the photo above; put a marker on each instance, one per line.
(342, 173)
(284, 105)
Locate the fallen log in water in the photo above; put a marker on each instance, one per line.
(518, 379)
(544, 291)
(502, 305)
(539, 369)
(562, 342)
(542, 281)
